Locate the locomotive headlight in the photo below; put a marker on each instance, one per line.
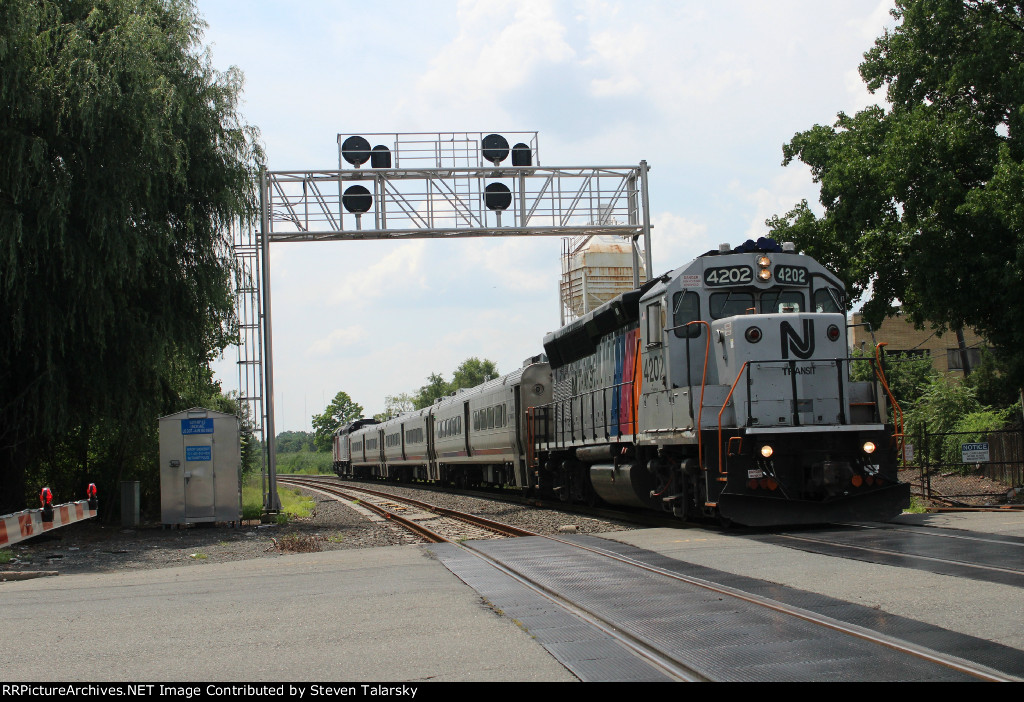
(764, 261)
(753, 335)
(767, 451)
(764, 274)
(869, 447)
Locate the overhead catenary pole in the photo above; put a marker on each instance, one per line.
(271, 502)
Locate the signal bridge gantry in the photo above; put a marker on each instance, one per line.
(396, 186)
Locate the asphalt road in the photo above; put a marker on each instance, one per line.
(397, 614)
(381, 614)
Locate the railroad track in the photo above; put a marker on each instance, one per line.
(667, 651)
(432, 523)
(986, 557)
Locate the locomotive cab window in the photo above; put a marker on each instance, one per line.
(655, 324)
(686, 309)
(773, 301)
(730, 304)
(827, 300)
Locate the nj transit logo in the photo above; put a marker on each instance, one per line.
(791, 341)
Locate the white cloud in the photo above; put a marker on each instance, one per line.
(338, 338)
(397, 271)
(676, 240)
(780, 196)
(497, 48)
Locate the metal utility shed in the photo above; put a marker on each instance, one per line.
(200, 467)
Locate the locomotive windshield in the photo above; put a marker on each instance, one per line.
(737, 302)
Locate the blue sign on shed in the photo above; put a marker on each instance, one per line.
(197, 426)
(198, 453)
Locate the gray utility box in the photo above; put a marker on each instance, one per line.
(200, 467)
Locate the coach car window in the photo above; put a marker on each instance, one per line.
(685, 309)
(730, 303)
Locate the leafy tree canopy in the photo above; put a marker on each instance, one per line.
(469, 374)
(436, 387)
(922, 201)
(124, 161)
(396, 405)
(473, 372)
(294, 441)
(341, 410)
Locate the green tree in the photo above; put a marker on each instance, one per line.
(469, 374)
(473, 372)
(436, 387)
(395, 405)
(922, 203)
(124, 161)
(294, 441)
(341, 410)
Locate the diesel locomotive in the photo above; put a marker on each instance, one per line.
(720, 390)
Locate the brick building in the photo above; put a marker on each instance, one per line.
(902, 337)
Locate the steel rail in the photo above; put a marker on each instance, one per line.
(960, 665)
(684, 672)
(901, 554)
(656, 657)
(472, 519)
(409, 524)
(659, 659)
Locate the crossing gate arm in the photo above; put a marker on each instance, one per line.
(28, 523)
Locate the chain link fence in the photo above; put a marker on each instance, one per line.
(967, 468)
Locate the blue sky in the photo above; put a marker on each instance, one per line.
(706, 93)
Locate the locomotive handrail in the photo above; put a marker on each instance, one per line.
(559, 431)
(724, 405)
(897, 413)
(747, 365)
(703, 384)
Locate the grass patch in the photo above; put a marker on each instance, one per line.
(305, 463)
(199, 556)
(6, 556)
(293, 502)
(916, 506)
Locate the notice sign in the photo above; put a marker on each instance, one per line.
(197, 426)
(198, 453)
(974, 453)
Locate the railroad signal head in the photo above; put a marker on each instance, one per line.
(497, 197)
(495, 148)
(356, 150)
(357, 199)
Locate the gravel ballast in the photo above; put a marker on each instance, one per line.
(93, 547)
